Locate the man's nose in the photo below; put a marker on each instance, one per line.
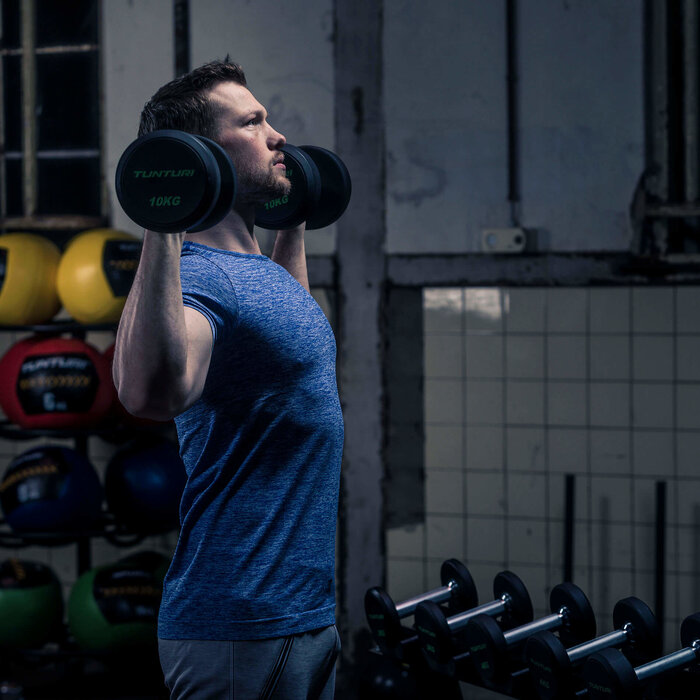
(276, 139)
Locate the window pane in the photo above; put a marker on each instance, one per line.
(69, 186)
(13, 171)
(67, 101)
(66, 22)
(12, 99)
(10, 24)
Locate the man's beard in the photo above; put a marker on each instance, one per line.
(258, 185)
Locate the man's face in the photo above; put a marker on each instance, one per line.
(252, 144)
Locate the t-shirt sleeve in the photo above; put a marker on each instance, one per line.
(207, 289)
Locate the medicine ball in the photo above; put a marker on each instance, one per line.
(31, 604)
(28, 265)
(55, 383)
(144, 482)
(95, 274)
(115, 607)
(51, 489)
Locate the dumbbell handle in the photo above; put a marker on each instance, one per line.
(437, 595)
(586, 649)
(544, 623)
(456, 622)
(678, 659)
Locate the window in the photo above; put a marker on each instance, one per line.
(50, 125)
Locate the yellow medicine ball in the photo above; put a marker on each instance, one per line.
(28, 264)
(95, 274)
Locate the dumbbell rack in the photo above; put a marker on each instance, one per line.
(67, 655)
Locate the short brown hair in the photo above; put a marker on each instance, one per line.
(183, 103)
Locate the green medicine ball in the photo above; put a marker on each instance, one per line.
(114, 608)
(31, 604)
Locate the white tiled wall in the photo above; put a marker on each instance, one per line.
(523, 386)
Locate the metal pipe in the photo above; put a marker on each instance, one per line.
(569, 514)
(182, 36)
(512, 107)
(584, 650)
(660, 570)
(678, 659)
(456, 622)
(691, 103)
(543, 624)
(29, 135)
(437, 595)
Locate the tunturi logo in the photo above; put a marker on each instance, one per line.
(162, 174)
(540, 665)
(599, 688)
(423, 630)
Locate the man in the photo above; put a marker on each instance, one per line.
(232, 345)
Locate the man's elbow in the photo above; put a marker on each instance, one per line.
(152, 405)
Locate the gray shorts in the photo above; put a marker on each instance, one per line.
(300, 666)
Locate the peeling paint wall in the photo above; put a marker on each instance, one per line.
(580, 112)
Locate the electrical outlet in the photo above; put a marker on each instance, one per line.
(503, 240)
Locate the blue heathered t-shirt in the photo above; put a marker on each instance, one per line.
(262, 448)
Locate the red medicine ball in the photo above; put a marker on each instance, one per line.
(49, 383)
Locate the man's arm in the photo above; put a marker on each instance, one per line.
(163, 349)
(289, 252)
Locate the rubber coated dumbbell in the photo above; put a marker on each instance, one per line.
(384, 616)
(553, 666)
(609, 674)
(171, 181)
(497, 654)
(439, 635)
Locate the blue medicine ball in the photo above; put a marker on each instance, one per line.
(51, 489)
(144, 482)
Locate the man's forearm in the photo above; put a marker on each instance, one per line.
(151, 348)
(289, 252)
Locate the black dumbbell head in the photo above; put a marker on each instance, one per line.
(288, 211)
(170, 181)
(690, 630)
(610, 676)
(227, 193)
(382, 617)
(488, 649)
(336, 187)
(520, 607)
(580, 622)
(434, 632)
(464, 596)
(645, 636)
(550, 667)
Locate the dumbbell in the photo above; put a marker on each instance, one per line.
(439, 635)
(171, 181)
(553, 666)
(610, 675)
(384, 616)
(496, 654)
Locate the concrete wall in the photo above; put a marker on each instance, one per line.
(580, 111)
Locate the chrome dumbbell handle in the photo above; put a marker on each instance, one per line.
(437, 595)
(544, 623)
(678, 659)
(495, 607)
(586, 649)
